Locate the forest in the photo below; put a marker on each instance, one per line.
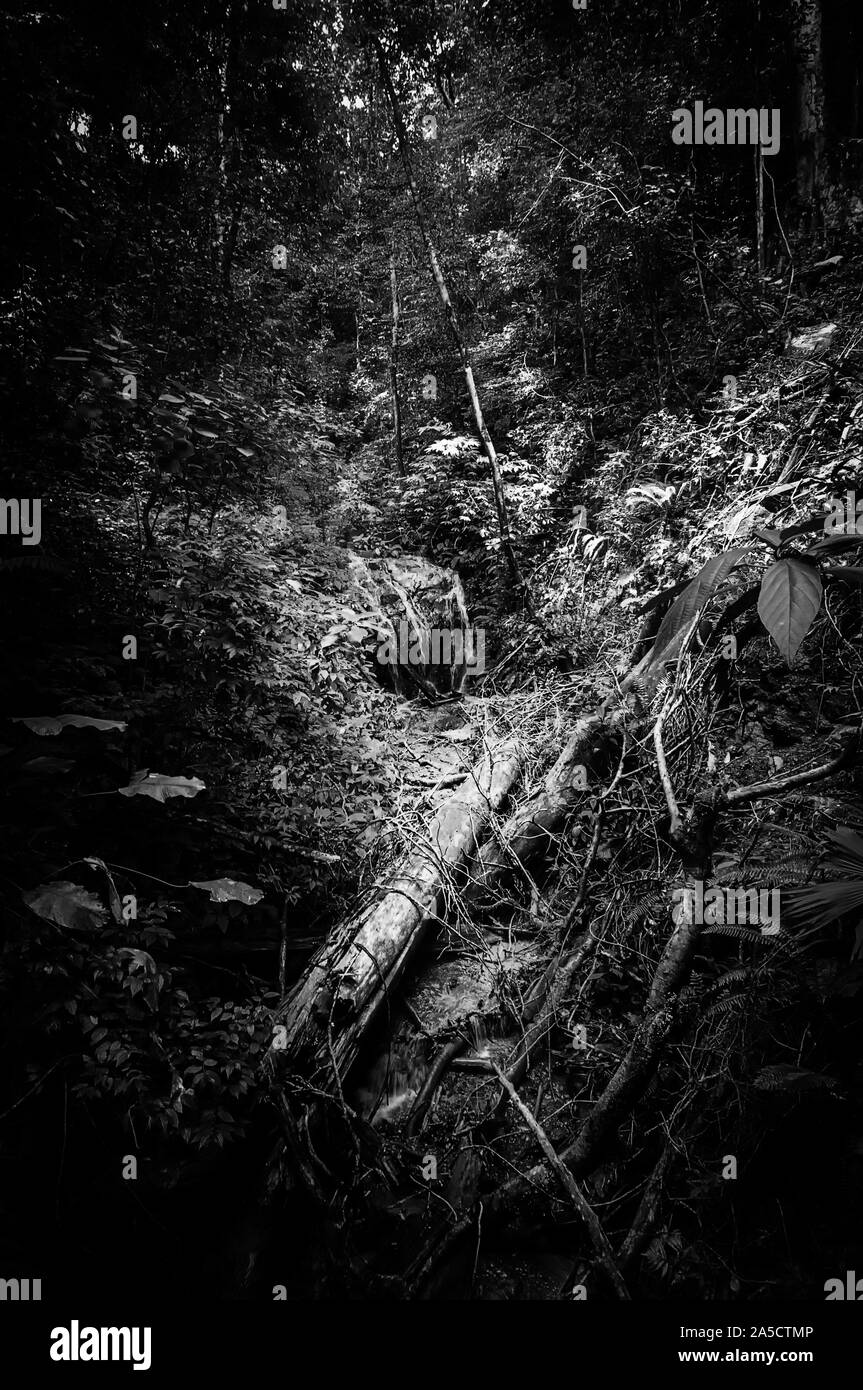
(430, 571)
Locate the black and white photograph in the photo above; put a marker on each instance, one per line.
(431, 704)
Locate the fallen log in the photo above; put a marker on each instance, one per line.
(530, 831)
(324, 1018)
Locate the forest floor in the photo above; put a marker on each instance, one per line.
(256, 634)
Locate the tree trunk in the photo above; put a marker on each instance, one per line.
(394, 364)
(339, 994)
(806, 20)
(759, 211)
(231, 242)
(219, 217)
(455, 328)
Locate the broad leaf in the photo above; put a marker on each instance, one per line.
(848, 855)
(67, 904)
(52, 724)
(735, 522)
(788, 603)
(823, 902)
(228, 890)
(834, 545)
(851, 574)
(142, 959)
(815, 523)
(160, 787)
(694, 597)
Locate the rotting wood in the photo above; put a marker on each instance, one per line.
(327, 1013)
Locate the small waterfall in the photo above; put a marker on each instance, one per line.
(392, 1081)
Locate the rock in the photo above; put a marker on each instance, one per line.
(811, 342)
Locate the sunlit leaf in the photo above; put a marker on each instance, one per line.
(52, 724)
(694, 597)
(160, 787)
(67, 904)
(228, 890)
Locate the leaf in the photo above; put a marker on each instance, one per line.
(142, 959)
(52, 724)
(768, 534)
(783, 1077)
(694, 597)
(228, 890)
(67, 904)
(788, 603)
(834, 544)
(823, 903)
(815, 523)
(851, 574)
(659, 494)
(47, 766)
(849, 848)
(172, 400)
(113, 895)
(160, 787)
(734, 523)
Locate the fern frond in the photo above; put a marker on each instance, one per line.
(738, 933)
(655, 904)
(726, 1006)
(783, 1077)
(732, 978)
(32, 562)
(778, 873)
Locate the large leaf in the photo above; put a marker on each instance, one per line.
(788, 603)
(228, 890)
(142, 959)
(851, 574)
(160, 787)
(67, 904)
(814, 523)
(832, 545)
(823, 903)
(52, 724)
(694, 597)
(848, 855)
(739, 519)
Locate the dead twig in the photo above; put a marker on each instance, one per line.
(600, 1241)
